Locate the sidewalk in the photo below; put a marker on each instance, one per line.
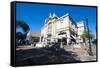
(82, 52)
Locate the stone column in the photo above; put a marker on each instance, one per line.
(66, 41)
(40, 40)
(61, 45)
(68, 36)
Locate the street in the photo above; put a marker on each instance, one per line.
(51, 55)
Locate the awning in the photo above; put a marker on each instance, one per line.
(61, 36)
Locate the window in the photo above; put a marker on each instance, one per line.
(49, 27)
(49, 35)
(61, 33)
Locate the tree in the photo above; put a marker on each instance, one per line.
(25, 27)
(19, 35)
(85, 36)
(91, 36)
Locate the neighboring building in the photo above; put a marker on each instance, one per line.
(33, 37)
(57, 29)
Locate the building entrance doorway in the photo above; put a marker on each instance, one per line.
(62, 41)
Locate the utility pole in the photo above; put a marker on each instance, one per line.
(90, 49)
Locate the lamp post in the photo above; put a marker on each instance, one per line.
(90, 49)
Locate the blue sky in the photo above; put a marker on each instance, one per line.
(35, 14)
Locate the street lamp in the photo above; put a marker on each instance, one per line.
(90, 49)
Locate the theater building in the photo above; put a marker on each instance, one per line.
(64, 28)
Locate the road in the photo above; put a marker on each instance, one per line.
(41, 56)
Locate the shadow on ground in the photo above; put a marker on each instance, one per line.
(41, 56)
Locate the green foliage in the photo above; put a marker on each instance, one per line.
(85, 35)
(23, 25)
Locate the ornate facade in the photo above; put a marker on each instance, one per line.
(62, 28)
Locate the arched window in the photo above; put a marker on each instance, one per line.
(49, 27)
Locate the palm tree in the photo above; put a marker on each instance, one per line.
(85, 36)
(25, 27)
(91, 36)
